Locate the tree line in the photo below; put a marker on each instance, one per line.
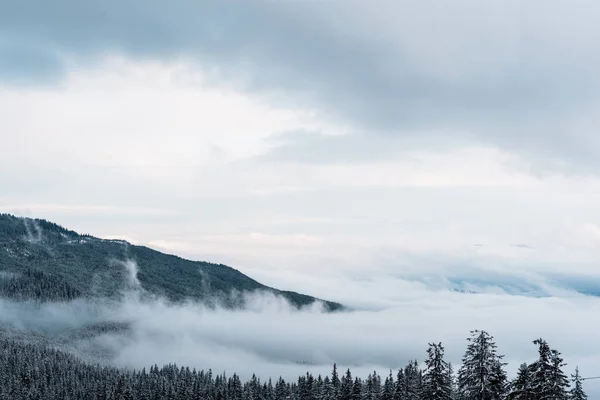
(36, 372)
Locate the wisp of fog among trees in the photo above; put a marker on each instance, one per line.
(31, 371)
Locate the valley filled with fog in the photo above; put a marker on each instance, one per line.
(271, 338)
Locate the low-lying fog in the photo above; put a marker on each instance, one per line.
(271, 338)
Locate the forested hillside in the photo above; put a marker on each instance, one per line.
(29, 371)
(51, 265)
(44, 261)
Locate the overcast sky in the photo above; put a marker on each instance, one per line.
(453, 144)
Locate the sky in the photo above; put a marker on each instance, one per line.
(363, 154)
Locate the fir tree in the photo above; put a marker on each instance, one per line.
(548, 381)
(481, 376)
(400, 387)
(541, 370)
(281, 390)
(577, 392)
(498, 380)
(388, 388)
(413, 378)
(346, 386)
(335, 381)
(520, 388)
(357, 389)
(452, 382)
(435, 378)
(559, 383)
(328, 392)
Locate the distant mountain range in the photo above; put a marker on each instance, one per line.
(43, 261)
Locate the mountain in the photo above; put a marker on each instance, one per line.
(43, 261)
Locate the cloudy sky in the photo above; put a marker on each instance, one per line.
(450, 145)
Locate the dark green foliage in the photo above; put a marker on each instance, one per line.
(35, 371)
(47, 262)
(548, 382)
(414, 381)
(400, 387)
(388, 388)
(436, 385)
(520, 388)
(481, 376)
(34, 284)
(542, 379)
(577, 392)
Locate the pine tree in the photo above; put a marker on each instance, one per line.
(520, 388)
(328, 392)
(346, 386)
(414, 381)
(310, 386)
(357, 389)
(541, 370)
(400, 387)
(388, 388)
(452, 382)
(577, 392)
(559, 383)
(435, 378)
(335, 382)
(372, 387)
(269, 393)
(281, 391)
(368, 388)
(548, 381)
(318, 388)
(481, 376)
(498, 380)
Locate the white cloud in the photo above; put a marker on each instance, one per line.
(139, 116)
(31, 210)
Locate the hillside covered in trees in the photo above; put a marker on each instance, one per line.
(33, 371)
(43, 261)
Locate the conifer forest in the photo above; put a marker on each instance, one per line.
(35, 372)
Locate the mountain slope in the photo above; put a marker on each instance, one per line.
(44, 261)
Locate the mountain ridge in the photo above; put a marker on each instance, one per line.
(33, 251)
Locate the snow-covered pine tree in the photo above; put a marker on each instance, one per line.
(335, 381)
(414, 381)
(281, 389)
(452, 383)
(541, 370)
(346, 384)
(520, 387)
(357, 389)
(577, 392)
(376, 387)
(318, 388)
(548, 381)
(368, 392)
(559, 383)
(400, 386)
(388, 388)
(435, 377)
(481, 375)
(327, 392)
(499, 380)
